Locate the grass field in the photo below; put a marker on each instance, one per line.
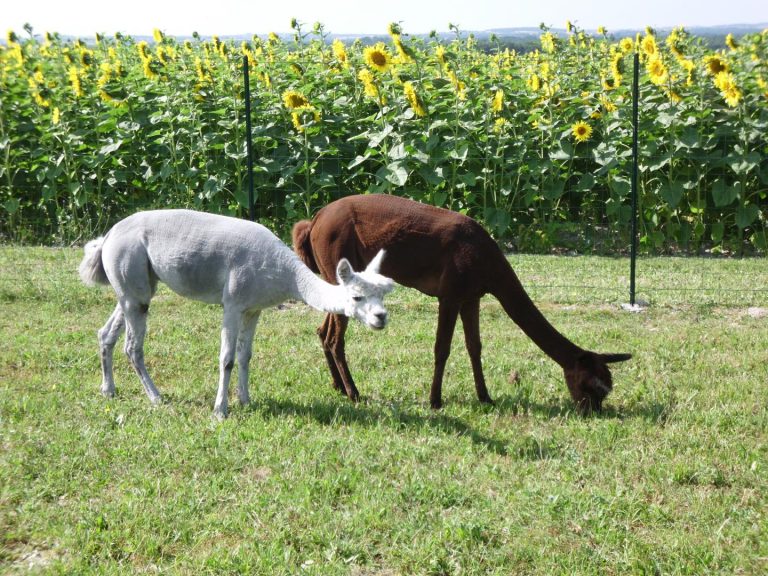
(671, 479)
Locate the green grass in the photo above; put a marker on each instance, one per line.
(671, 479)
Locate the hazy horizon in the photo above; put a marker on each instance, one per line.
(345, 17)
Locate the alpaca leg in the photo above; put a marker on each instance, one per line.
(244, 353)
(448, 312)
(335, 343)
(470, 319)
(136, 329)
(324, 332)
(229, 331)
(334, 327)
(108, 336)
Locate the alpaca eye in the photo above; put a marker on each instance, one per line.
(357, 298)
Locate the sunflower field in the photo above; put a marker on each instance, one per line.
(536, 145)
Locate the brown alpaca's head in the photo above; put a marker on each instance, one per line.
(589, 380)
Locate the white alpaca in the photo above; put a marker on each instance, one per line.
(220, 260)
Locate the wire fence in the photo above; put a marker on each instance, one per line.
(516, 156)
(662, 281)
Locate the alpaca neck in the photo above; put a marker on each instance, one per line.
(318, 293)
(519, 306)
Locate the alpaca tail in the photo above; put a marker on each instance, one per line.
(302, 244)
(92, 268)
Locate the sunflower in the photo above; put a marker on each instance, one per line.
(222, 48)
(394, 29)
(626, 45)
(581, 131)
(458, 85)
(417, 104)
(499, 125)
(245, 50)
(144, 51)
(609, 83)
(763, 85)
(298, 116)
(340, 51)
(617, 67)
(731, 42)
(166, 54)
(150, 69)
(498, 101)
(546, 71)
(204, 75)
(648, 46)
(16, 54)
(657, 70)
(75, 81)
(714, 65)
(86, 58)
(440, 54)
(690, 68)
(40, 92)
(534, 82)
(674, 96)
(675, 42)
(377, 57)
(726, 83)
(548, 42)
(369, 85)
(405, 53)
(606, 105)
(294, 100)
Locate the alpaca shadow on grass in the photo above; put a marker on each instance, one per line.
(374, 412)
(370, 413)
(655, 412)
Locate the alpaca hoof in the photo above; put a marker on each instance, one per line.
(487, 400)
(436, 404)
(352, 393)
(108, 392)
(219, 415)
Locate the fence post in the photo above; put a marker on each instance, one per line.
(248, 138)
(633, 245)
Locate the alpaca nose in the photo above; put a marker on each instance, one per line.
(381, 317)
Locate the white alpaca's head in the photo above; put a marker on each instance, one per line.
(365, 292)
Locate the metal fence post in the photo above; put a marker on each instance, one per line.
(248, 138)
(633, 246)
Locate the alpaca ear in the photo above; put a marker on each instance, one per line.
(344, 272)
(375, 264)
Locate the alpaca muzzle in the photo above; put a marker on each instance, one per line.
(378, 320)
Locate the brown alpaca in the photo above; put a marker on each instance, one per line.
(451, 257)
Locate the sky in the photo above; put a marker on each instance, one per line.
(230, 17)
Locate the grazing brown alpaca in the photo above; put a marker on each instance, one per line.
(447, 255)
